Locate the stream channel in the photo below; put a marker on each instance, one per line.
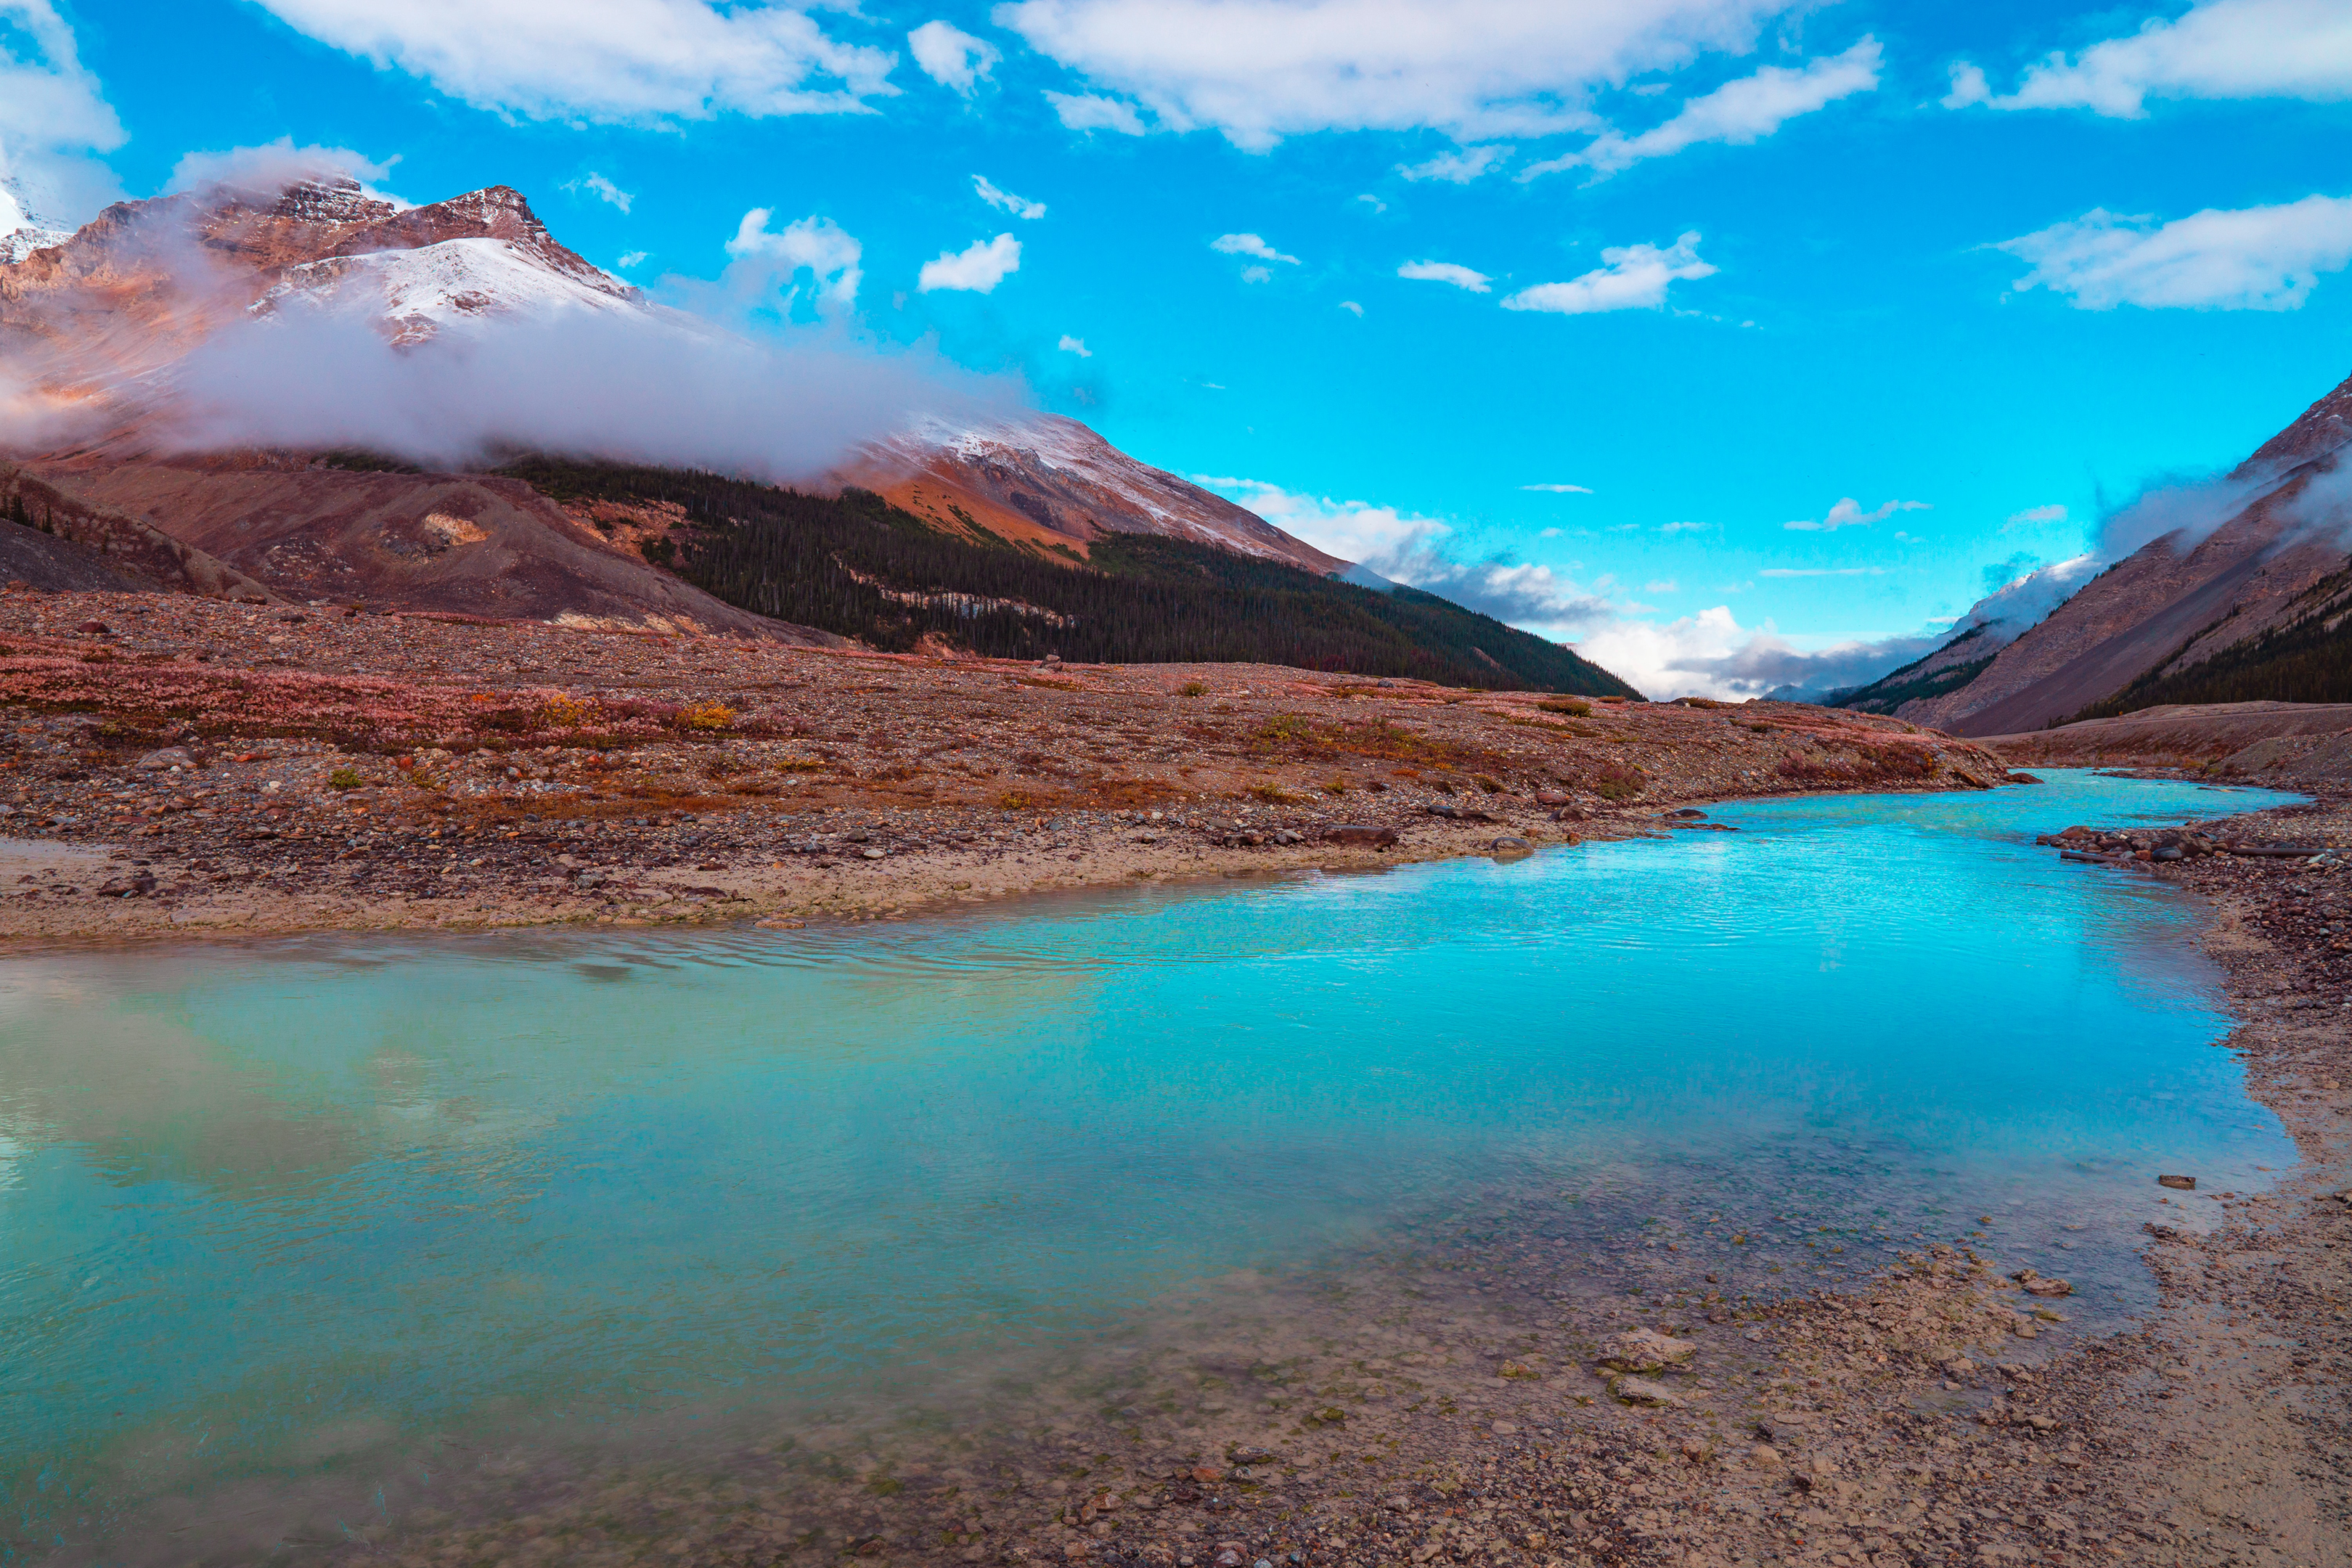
(311, 1245)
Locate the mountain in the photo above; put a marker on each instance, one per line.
(22, 231)
(1052, 482)
(104, 318)
(2258, 597)
(1047, 537)
(857, 564)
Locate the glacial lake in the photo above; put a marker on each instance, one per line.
(297, 1238)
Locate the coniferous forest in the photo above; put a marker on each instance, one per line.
(2308, 659)
(859, 566)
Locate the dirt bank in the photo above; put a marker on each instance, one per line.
(2286, 744)
(255, 769)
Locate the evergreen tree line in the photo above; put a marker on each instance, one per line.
(859, 566)
(17, 512)
(2309, 659)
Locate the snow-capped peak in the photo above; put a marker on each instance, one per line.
(22, 232)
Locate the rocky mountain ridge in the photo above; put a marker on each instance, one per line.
(2177, 603)
(1052, 483)
(101, 319)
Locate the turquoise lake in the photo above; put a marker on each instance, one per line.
(288, 1230)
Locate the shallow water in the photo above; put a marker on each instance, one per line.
(287, 1230)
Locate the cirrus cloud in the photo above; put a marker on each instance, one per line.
(1630, 278)
(951, 57)
(1458, 167)
(816, 244)
(1259, 71)
(1848, 513)
(1092, 111)
(977, 268)
(1447, 272)
(1005, 201)
(1248, 245)
(1737, 114)
(2219, 49)
(54, 118)
(2252, 259)
(627, 61)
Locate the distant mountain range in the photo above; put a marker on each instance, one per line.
(2251, 601)
(98, 325)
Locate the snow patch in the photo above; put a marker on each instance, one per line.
(419, 292)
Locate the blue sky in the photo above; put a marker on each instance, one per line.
(1952, 278)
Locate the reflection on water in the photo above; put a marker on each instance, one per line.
(310, 1216)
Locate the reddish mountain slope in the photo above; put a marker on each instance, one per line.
(1053, 482)
(2175, 602)
(99, 321)
(101, 318)
(468, 543)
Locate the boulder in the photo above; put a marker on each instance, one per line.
(1641, 1390)
(1360, 833)
(1646, 1350)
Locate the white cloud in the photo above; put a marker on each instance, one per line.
(1257, 275)
(1848, 513)
(1684, 527)
(1458, 167)
(633, 61)
(54, 120)
(1352, 308)
(1559, 489)
(1446, 272)
(1738, 113)
(818, 245)
(1070, 345)
(1711, 654)
(1005, 201)
(631, 260)
(1248, 245)
(951, 57)
(977, 268)
(1258, 70)
(2032, 514)
(274, 166)
(1968, 86)
(2252, 259)
(1375, 203)
(1630, 278)
(1091, 111)
(1663, 585)
(2222, 48)
(1822, 571)
(1410, 549)
(604, 189)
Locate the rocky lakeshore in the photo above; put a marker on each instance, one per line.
(181, 766)
(1575, 1379)
(1542, 1378)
